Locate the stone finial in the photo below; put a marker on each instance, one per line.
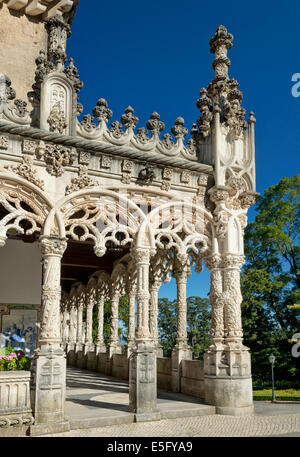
(155, 125)
(101, 111)
(205, 105)
(58, 33)
(128, 119)
(6, 91)
(219, 45)
(178, 129)
(72, 74)
(251, 119)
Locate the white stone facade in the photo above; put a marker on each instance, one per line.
(156, 202)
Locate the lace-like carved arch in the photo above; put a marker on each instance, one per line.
(183, 228)
(102, 219)
(22, 209)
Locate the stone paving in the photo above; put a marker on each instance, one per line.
(209, 426)
(85, 389)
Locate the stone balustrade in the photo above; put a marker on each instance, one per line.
(15, 407)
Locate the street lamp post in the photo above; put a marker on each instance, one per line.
(272, 360)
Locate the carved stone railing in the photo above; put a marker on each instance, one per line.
(15, 408)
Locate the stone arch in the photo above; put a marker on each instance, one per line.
(25, 208)
(194, 221)
(100, 215)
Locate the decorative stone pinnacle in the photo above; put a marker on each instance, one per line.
(251, 119)
(128, 119)
(58, 33)
(178, 130)
(154, 124)
(219, 45)
(101, 111)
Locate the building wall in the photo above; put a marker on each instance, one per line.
(22, 37)
(192, 379)
(20, 273)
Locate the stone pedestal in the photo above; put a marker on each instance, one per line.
(179, 353)
(48, 391)
(129, 348)
(71, 354)
(101, 348)
(79, 356)
(159, 351)
(227, 380)
(113, 348)
(143, 383)
(91, 360)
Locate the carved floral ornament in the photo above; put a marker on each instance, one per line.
(26, 171)
(56, 157)
(82, 181)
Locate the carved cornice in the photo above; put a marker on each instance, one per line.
(98, 147)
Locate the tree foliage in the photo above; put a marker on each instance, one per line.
(270, 279)
(198, 325)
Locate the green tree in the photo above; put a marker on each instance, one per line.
(270, 279)
(167, 324)
(198, 325)
(123, 320)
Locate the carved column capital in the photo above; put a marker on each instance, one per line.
(53, 246)
(232, 261)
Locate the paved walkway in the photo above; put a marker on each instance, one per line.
(100, 405)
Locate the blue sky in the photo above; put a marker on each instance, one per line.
(155, 56)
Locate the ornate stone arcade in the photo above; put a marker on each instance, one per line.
(118, 209)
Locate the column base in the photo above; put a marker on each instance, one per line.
(91, 358)
(101, 349)
(48, 388)
(111, 350)
(143, 382)
(228, 381)
(241, 411)
(147, 417)
(159, 351)
(114, 349)
(129, 348)
(179, 353)
(47, 429)
(71, 354)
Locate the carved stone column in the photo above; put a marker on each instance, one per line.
(65, 326)
(80, 359)
(131, 321)
(72, 331)
(153, 315)
(114, 346)
(101, 347)
(89, 323)
(182, 350)
(142, 363)
(79, 344)
(49, 362)
(227, 364)
(89, 346)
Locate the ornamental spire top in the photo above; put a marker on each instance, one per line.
(219, 45)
